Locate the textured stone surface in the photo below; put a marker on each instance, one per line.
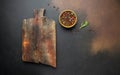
(39, 39)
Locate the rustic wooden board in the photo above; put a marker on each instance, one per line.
(39, 39)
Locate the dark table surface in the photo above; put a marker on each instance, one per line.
(94, 50)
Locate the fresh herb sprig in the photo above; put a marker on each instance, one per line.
(84, 24)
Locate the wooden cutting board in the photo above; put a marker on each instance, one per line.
(39, 39)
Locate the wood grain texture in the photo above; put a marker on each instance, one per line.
(39, 39)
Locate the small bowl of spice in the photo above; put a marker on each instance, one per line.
(67, 18)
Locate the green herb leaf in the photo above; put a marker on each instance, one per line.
(84, 24)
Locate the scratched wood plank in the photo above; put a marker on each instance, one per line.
(39, 39)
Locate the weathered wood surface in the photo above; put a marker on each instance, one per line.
(39, 39)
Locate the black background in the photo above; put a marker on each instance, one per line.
(73, 55)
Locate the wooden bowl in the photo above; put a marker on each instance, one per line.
(68, 18)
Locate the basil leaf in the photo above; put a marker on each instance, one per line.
(84, 24)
